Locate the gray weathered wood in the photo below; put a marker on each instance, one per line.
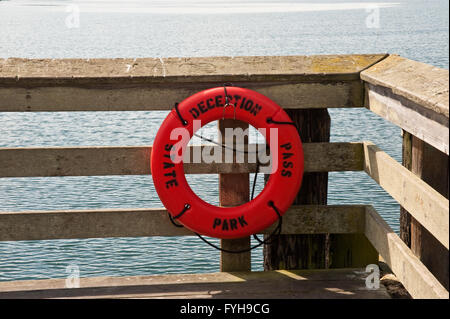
(416, 278)
(405, 217)
(15, 71)
(431, 166)
(342, 283)
(100, 223)
(424, 203)
(418, 82)
(157, 83)
(135, 160)
(421, 122)
(412, 95)
(304, 251)
(234, 190)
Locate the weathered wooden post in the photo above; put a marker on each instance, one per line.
(431, 165)
(304, 251)
(318, 250)
(405, 217)
(234, 189)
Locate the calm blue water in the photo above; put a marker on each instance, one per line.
(37, 29)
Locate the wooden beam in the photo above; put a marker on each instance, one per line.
(410, 116)
(234, 190)
(15, 71)
(425, 204)
(333, 157)
(104, 160)
(100, 223)
(418, 82)
(416, 278)
(405, 217)
(155, 97)
(412, 95)
(322, 219)
(157, 83)
(304, 251)
(431, 166)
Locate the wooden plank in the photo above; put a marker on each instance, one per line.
(15, 71)
(342, 283)
(157, 83)
(124, 160)
(234, 190)
(322, 219)
(416, 278)
(143, 222)
(417, 119)
(155, 97)
(417, 82)
(333, 157)
(425, 204)
(431, 166)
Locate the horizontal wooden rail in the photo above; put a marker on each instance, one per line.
(325, 81)
(416, 278)
(86, 161)
(413, 96)
(42, 225)
(425, 204)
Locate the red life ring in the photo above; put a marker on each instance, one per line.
(227, 222)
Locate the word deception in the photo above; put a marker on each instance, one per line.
(236, 100)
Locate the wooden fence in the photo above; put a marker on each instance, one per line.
(412, 95)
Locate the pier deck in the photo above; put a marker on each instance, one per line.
(281, 284)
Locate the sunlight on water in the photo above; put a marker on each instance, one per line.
(203, 7)
(218, 7)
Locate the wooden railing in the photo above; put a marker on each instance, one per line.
(390, 86)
